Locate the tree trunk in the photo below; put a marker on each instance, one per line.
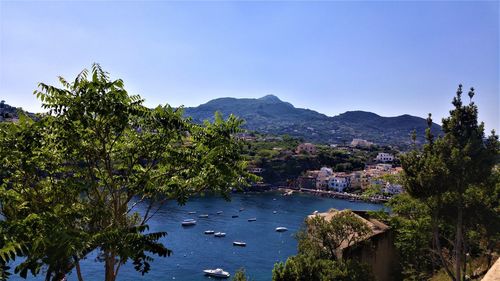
(437, 243)
(78, 270)
(458, 245)
(110, 267)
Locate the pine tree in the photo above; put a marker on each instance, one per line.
(445, 174)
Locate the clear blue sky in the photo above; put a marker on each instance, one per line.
(390, 58)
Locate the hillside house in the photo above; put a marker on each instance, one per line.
(361, 143)
(306, 148)
(339, 183)
(323, 176)
(307, 182)
(384, 157)
(376, 249)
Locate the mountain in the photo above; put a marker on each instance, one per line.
(272, 116)
(7, 112)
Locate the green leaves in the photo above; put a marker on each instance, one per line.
(450, 175)
(303, 267)
(84, 168)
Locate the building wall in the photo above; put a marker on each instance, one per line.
(380, 253)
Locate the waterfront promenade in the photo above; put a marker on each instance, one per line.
(338, 195)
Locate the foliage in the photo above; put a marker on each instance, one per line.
(308, 268)
(73, 181)
(372, 190)
(240, 275)
(452, 175)
(342, 230)
(411, 223)
(318, 245)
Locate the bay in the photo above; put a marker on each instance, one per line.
(194, 251)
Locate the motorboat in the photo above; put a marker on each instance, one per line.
(234, 216)
(241, 209)
(203, 216)
(220, 234)
(209, 232)
(218, 272)
(275, 212)
(192, 213)
(188, 222)
(239, 244)
(252, 219)
(219, 212)
(281, 229)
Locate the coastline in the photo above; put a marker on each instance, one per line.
(333, 194)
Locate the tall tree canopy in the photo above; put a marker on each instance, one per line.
(454, 175)
(73, 180)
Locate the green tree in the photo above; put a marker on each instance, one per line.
(72, 182)
(341, 231)
(240, 275)
(411, 222)
(39, 211)
(447, 175)
(309, 268)
(319, 244)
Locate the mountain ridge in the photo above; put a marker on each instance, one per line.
(271, 115)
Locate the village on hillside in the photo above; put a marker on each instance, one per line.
(377, 179)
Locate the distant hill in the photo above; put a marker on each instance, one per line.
(7, 112)
(271, 115)
(10, 113)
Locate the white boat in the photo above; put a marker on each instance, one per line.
(188, 222)
(252, 219)
(209, 232)
(218, 272)
(203, 216)
(281, 229)
(241, 209)
(219, 212)
(239, 243)
(220, 234)
(192, 212)
(275, 212)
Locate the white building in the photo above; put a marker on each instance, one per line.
(323, 177)
(338, 183)
(385, 157)
(393, 188)
(325, 172)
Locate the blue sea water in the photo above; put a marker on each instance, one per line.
(194, 251)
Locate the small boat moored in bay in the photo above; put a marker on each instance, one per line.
(239, 244)
(234, 216)
(209, 231)
(220, 234)
(281, 229)
(203, 216)
(188, 222)
(252, 219)
(219, 212)
(218, 272)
